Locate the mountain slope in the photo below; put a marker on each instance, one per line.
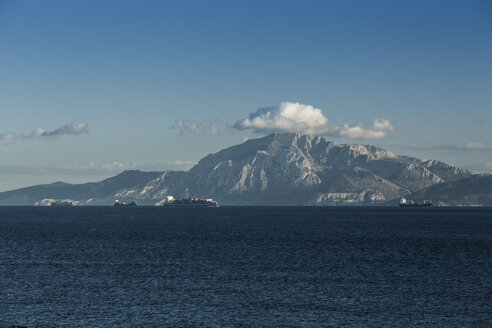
(475, 190)
(279, 169)
(96, 192)
(300, 169)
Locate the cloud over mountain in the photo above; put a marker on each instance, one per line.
(75, 128)
(297, 117)
(287, 117)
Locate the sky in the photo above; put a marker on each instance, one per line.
(91, 88)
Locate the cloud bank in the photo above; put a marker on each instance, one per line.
(93, 169)
(8, 138)
(74, 170)
(476, 146)
(211, 127)
(75, 128)
(179, 162)
(297, 117)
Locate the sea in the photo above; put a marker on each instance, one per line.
(245, 267)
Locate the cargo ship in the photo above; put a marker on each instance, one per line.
(410, 203)
(118, 204)
(61, 204)
(192, 202)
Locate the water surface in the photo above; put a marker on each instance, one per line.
(245, 267)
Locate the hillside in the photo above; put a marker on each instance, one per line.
(279, 169)
(472, 191)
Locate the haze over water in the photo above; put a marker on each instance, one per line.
(245, 267)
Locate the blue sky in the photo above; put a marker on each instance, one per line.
(90, 88)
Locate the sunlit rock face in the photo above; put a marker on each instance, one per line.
(279, 169)
(295, 169)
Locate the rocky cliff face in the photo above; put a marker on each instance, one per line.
(292, 169)
(300, 169)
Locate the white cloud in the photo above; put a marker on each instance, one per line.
(297, 117)
(206, 127)
(75, 128)
(181, 163)
(114, 166)
(477, 146)
(288, 117)
(92, 170)
(120, 166)
(75, 170)
(380, 128)
(8, 138)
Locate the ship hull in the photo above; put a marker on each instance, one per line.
(415, 205)
(190, 205)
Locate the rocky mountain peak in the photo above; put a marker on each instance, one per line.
(281, 168)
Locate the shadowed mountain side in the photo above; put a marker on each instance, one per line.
(100, 192)
(475, 190)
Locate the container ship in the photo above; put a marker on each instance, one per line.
(192, 202)
(410, 203)
(61, 204)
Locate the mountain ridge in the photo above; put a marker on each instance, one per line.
(278, 169)
(472, 191)
(82, 193)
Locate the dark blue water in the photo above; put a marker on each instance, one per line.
(245, 267)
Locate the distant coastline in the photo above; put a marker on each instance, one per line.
(280, 170)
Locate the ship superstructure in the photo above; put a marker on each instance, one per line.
(410, 203)
(192, 202)
(118, 204)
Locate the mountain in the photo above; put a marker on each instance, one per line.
(279, 169)
(475, 190)
(93, 193)
(301, 169)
